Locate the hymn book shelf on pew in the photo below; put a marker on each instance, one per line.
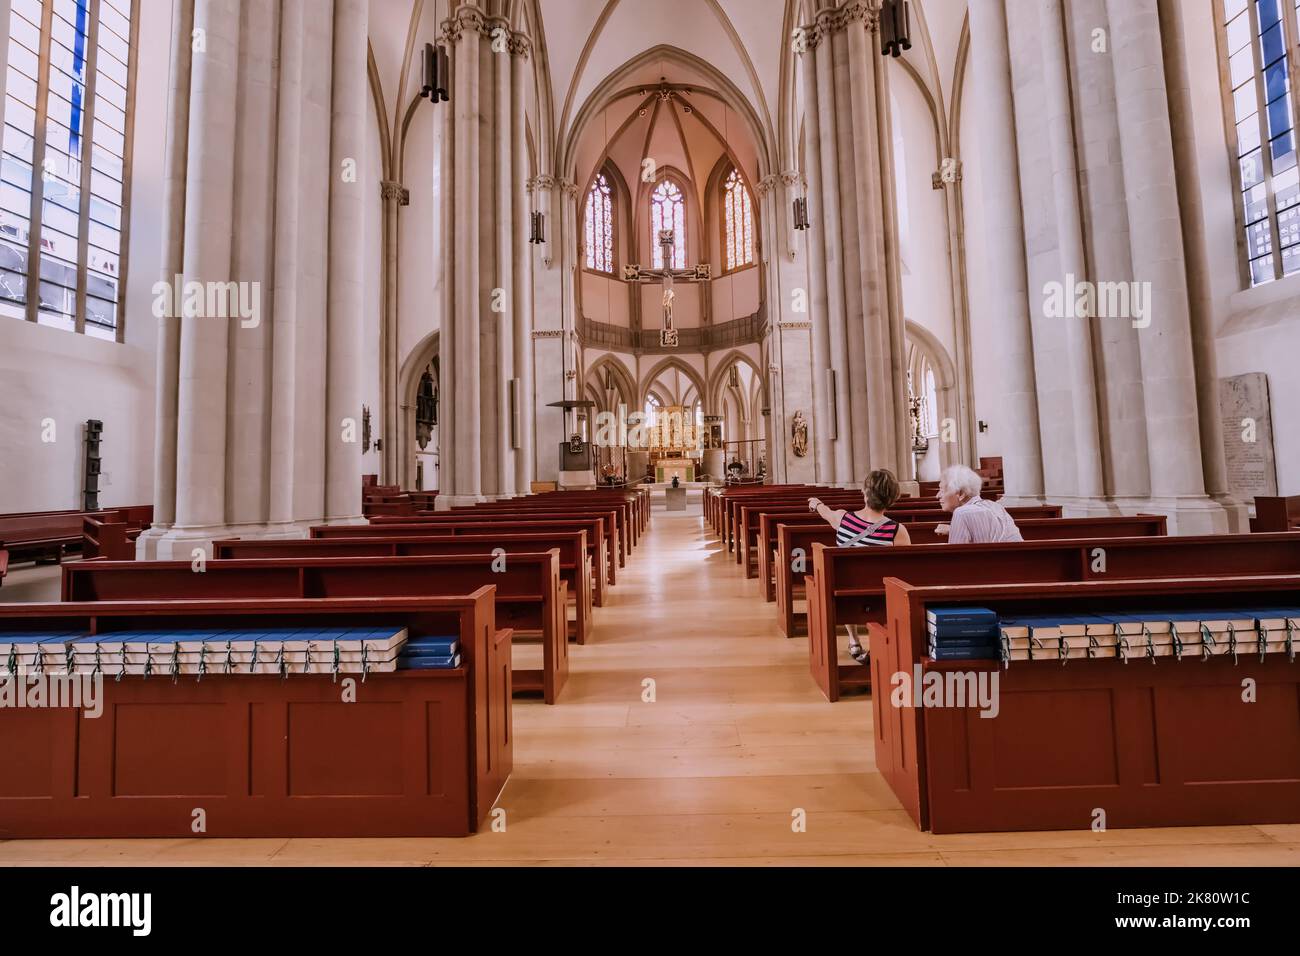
(1174, 743)
(418, 752)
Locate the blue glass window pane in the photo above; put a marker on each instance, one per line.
(1279, 116)
(1275, 80)
(1283, 152)
(1272, 45)
(1269, 14)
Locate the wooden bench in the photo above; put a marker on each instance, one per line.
(795, 547)
(4, 564)
(44, 535)
(749, 538)
(1154, 746)
(530, 596)
(735, 510)
(638, 495)
(1276, 514)
(715, 499)
(575, 562)
(597, 549)
(418, 753)
(607, 537)
(848, 583)
(113, 534)
(625, 518)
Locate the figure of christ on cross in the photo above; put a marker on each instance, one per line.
(634, 273)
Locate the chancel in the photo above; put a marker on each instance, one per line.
(588, 432)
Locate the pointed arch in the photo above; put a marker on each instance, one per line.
(718, 378)
(945, 385)
(676, 364)
(607, 366)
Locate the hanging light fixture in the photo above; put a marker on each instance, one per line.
(801, 212)
(435, 84)
(538, 234)
(895, 32)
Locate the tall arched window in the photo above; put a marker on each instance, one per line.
(599, 234)
(737, 222)
(668, 211)
(62, 261)
(1261, 121)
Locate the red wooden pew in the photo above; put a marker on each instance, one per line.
(602, 530)
(795, 545)
(749, 536)
(530, 597)
(597, 549)
(575, 562)
(848, 583)
(1156, 746)
(1276, 514)
(417, 753)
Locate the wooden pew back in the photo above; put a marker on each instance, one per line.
(529, 591)
(1276, 514)
(849, 583)
(252, 736)
(575, 561)
(795, 544)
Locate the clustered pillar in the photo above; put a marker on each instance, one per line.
(486, 435)
(858, 374)
(259, 400)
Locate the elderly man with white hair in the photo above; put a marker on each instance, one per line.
(975, 520)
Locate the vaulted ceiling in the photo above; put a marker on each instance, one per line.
(586, 40)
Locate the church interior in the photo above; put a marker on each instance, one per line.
(462, 433)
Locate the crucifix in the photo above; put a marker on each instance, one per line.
(634, 273)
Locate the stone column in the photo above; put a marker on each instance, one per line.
(856, 297)
(1004, 227)
(1169, 376)
(523, 269)
(175, 164)
(347, 260)
(484, 256)
(823, 446)
(242, 398)
(1201, 310)
(209, 204)
(1080, 370)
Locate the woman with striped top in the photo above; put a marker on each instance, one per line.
(869, 527)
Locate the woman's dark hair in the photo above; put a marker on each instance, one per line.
(880, 489)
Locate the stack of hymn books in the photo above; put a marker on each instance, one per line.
(211, 651)
(36, 652)
(1212, 632)
(962, 633)
(429, 653)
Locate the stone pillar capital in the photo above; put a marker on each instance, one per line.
(834, 19)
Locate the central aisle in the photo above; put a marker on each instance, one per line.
(736, 741)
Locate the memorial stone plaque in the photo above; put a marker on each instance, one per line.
(1248, 435)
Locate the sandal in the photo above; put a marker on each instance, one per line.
(858, 653)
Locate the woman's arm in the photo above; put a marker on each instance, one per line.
(829, 515)
(903, 536)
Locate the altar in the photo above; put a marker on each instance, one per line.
(666, 469)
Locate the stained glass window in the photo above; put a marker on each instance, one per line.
(1261, 113)
(73, 207)
(737, 222)
(668, 211)
(600, 226)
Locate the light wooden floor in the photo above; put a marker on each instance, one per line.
(736, 740)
